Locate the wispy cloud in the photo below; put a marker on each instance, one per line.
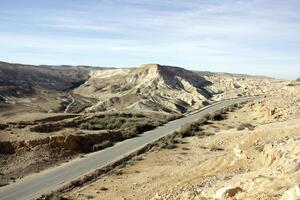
(249, 34)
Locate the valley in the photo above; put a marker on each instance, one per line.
(52, 116)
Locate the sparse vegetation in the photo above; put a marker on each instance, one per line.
(123, 121)
(244, 126)
(218, 116)
(168, 142)
(215, 148)
(46, 128)
(55, 196)
(191, 129)
(103, 188)
(97, 147)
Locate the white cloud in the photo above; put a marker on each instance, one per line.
(196, 32)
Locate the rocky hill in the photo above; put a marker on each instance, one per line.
(30, 88)
(226, 85)
(19, 80)
(150, 87)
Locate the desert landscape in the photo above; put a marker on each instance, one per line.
(252, 152)
(51, 115)
(149, 100)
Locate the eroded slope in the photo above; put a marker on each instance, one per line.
(150, 87)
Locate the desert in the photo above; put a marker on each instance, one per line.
(245, 148)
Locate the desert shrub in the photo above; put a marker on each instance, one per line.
(103, 122)
(216, 148)
(244, 126)
(46, 128)
(218, 116)
(103, 188)
(55, 196)
(168, 142)
(172, 117)
(115, 122)
(190, 129)
(106, 143)
(128, 134)
(89, 196)
(86, 126)
(140, 128)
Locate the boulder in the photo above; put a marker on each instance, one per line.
(227, 192)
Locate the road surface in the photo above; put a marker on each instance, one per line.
(34, 185)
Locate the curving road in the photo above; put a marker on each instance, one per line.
(34, 185)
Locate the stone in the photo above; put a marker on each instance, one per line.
(226, 192)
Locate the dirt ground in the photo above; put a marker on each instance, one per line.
(263, 160)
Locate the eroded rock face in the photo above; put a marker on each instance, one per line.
(79, 143)
(149, 87)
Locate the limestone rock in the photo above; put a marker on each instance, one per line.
(292, 194)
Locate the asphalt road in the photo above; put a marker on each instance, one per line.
(34, 185)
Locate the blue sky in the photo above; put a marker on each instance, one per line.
(251, 36)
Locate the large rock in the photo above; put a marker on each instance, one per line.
(292, 194)
(227, 192)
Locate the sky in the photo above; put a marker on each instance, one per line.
(242, 36)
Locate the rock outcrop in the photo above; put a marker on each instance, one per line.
(149, 87)
(292, 194)
(77, 143)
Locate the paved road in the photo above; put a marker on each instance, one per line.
(37, 184)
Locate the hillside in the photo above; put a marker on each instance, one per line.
(251, 152)
(30, 88)
(18, 80)
(150, 87)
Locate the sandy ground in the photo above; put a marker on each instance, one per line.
(263, 162)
